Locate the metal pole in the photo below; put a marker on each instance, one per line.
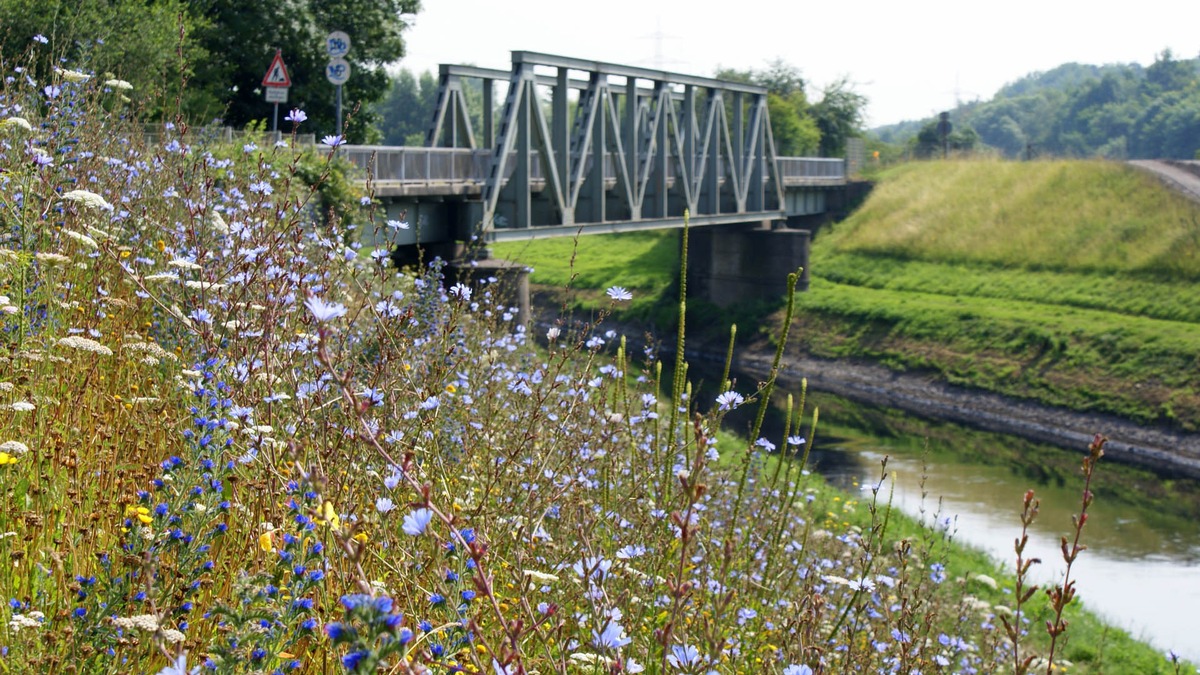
(275, 120)
(339, 110)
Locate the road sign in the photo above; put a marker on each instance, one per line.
(337, 71)
(337, 44)
(277, 75)
(276, 94)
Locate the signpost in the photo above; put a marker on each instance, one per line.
(275, 86)
(337, 71)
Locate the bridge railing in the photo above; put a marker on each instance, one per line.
(795, 170)
(464, 165)
(419, 164)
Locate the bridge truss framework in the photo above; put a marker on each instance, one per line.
(632, 149)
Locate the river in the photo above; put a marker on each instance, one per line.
(1141, 571)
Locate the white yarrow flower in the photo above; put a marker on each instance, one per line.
(118, 84)
(81, 238)
(89, 200)
(85, 344)
(18, 122)
(72, 75)
(14, 448)
(184, 264)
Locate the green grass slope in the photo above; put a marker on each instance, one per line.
(1067, 282)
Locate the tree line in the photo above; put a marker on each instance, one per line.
(1116, 111)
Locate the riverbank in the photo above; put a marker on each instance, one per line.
(1163, 450)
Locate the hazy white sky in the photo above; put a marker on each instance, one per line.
(908, 57)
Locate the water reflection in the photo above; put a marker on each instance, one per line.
(1141, 571)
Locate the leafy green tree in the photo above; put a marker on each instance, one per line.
(133, 40)
(241, 38)
(792, 124)
(796, 135)
(405, 112)
(839, 116)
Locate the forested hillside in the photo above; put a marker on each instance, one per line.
(1116, 111)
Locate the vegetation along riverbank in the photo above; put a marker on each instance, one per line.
(1071, 297)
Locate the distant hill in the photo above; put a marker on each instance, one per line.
(1115, 111)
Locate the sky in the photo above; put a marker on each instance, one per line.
(910, 58)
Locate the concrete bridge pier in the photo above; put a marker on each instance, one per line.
(732, 264)
(511, 281)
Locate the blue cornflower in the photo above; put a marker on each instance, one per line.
(350, 661)
(336, 631)
(333, 141)
(296, 116)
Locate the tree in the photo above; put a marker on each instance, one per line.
(405, 112)
(792, 124)
(1167, 75)
(796, 135)
(242, 37)
(133, 40)
(839, 116)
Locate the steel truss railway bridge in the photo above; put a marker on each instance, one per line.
(584, 147)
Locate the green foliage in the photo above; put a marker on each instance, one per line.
(1113, 111)
(405, 112)
(796, 134)
(797, 124)
(241, 39)
(131, 40)
(839, 116)
(928, 143)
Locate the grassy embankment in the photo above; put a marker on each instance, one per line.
(1069, 283)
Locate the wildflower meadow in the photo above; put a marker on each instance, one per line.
(236, 440)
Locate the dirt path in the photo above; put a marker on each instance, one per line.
(1181, 176)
